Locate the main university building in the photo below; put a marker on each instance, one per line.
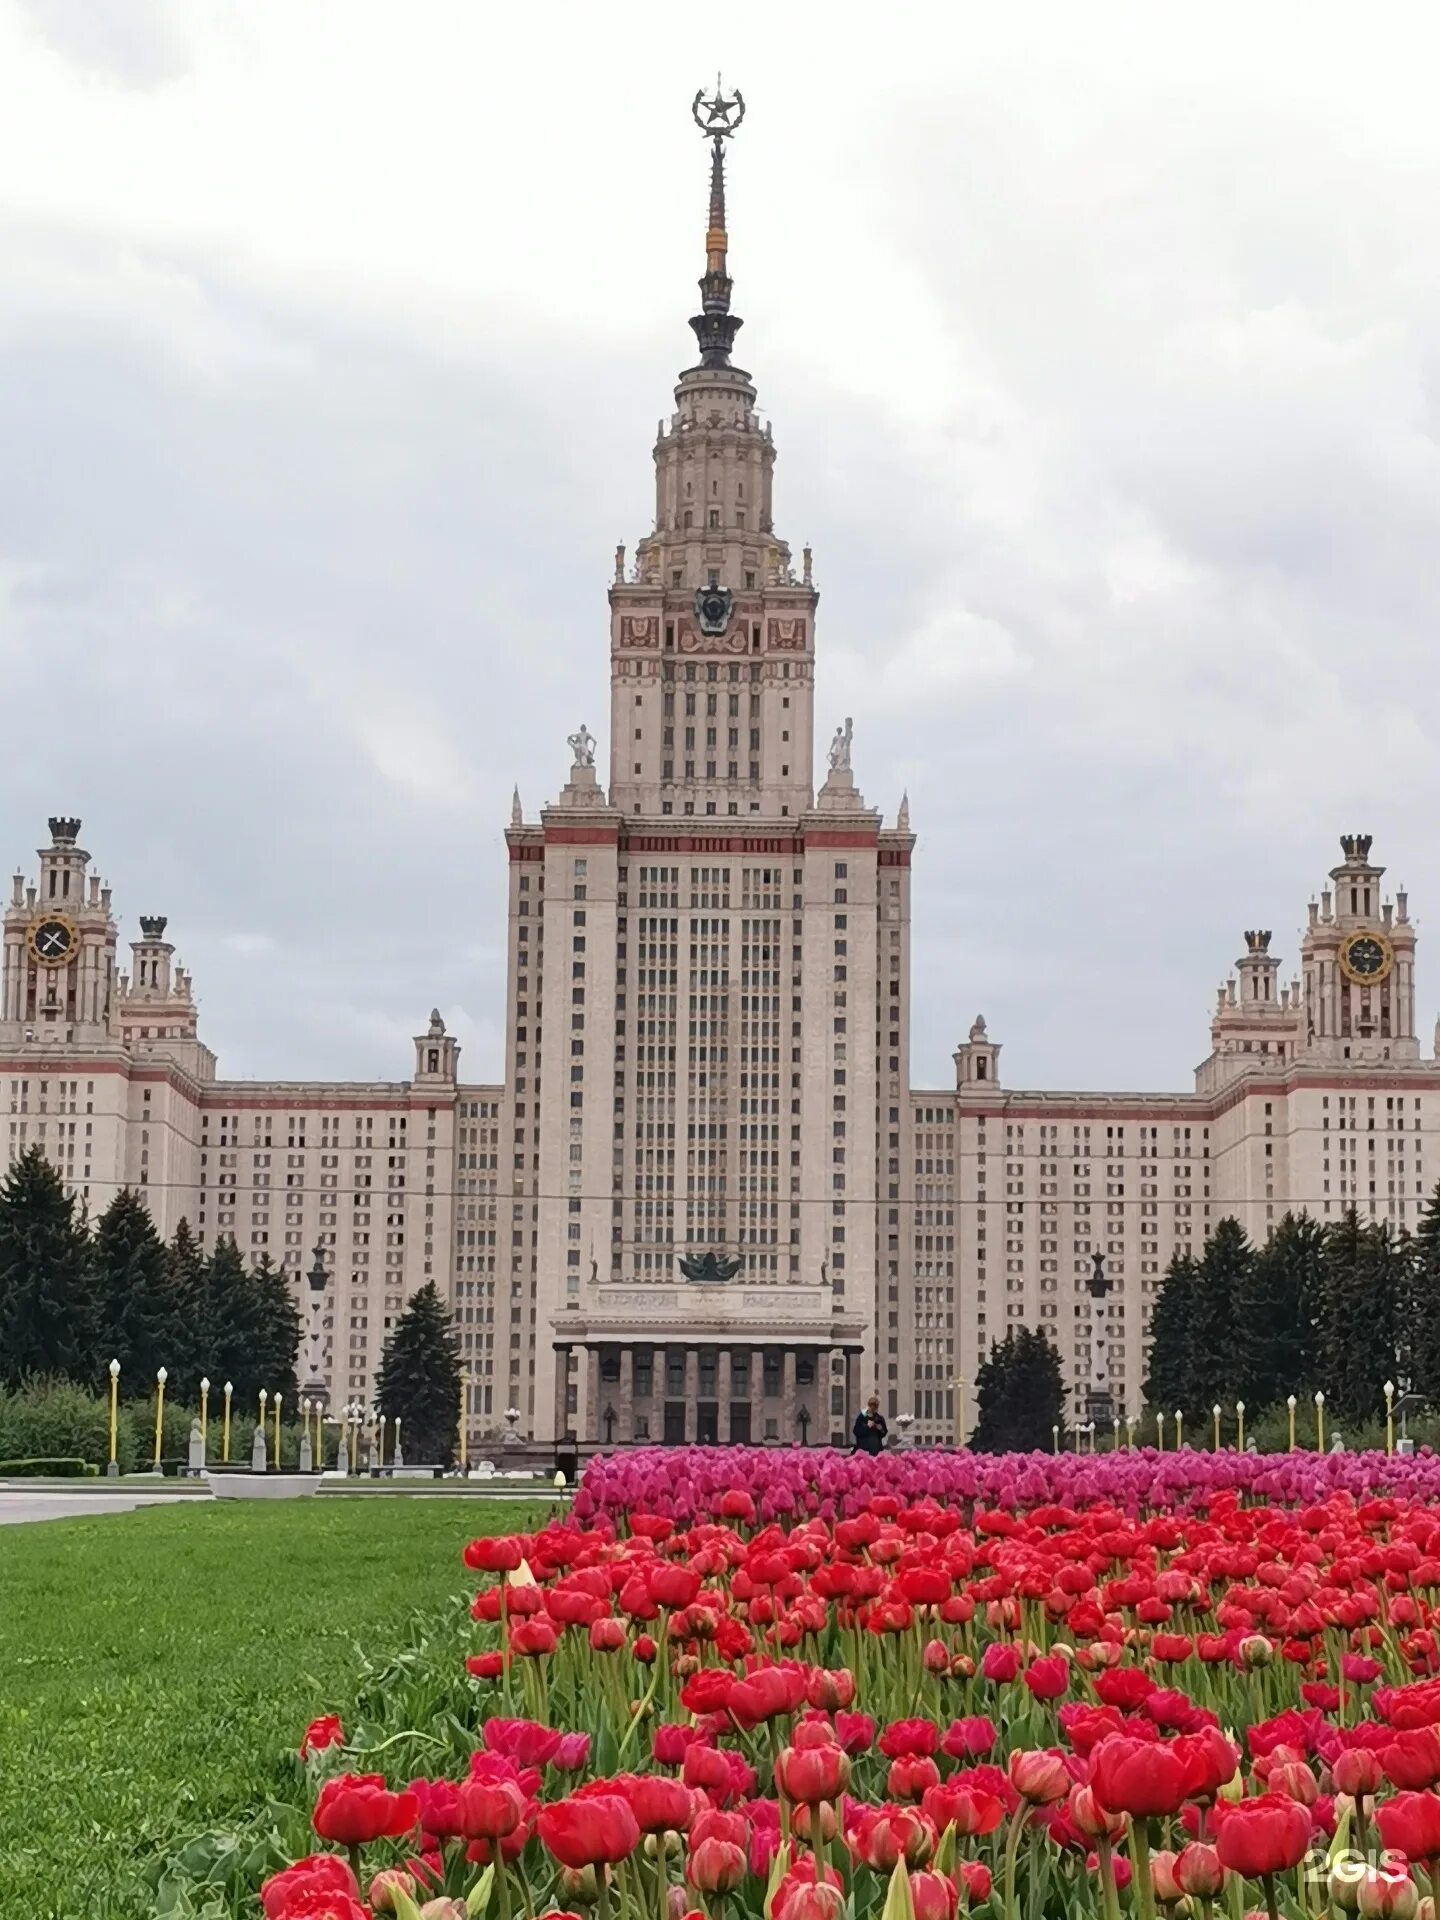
(708, 1061)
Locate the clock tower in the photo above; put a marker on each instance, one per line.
(59, 979)
(1358, 961)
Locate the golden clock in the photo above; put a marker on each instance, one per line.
(1366, 957)
(52, 939)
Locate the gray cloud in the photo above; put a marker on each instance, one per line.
(1103, 387)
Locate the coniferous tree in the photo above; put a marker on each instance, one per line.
(1166, 1382)
(1361, 1332)
(1220, 1274)
(49, 1311)
(1423, 1305)
(419, 1378)
(230, 1321)
(1272, 1347)
(278, 1327)
(1019, 1395)
(142, 1319)
(187, 1274)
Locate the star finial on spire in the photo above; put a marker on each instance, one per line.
(715, 326)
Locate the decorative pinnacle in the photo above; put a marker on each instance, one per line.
(715, 326)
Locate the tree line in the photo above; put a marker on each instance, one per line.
(1338, 1307)
(75, 1296)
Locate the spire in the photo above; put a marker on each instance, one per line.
(517, 818)
(715, 326)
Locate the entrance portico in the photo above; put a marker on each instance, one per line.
(757, 1366)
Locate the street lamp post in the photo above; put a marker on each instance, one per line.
(161, 1377)
(464, 1422)
(205, 1412)
(318, 1279)
(225, 1430)
(1389, 1416)
(1100, 1405)
(1291, 1403)
(1319, 1421)
(1239, 1426)
(1215, 1416)
(113, 1469)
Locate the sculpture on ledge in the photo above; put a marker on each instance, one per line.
(709, 1269)
(840, 747)
(582, 745)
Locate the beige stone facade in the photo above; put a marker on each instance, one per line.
(707, 1053)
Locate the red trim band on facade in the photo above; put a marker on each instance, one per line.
(581, 836)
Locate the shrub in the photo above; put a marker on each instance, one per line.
(61, 1469)
(51, 1419)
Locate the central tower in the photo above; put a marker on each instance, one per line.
(711, 634)
(709, 1001)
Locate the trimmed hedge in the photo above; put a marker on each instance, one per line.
(61, 1469)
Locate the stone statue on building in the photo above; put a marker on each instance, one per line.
(840, 747)
(709, 1269)
(582, 745)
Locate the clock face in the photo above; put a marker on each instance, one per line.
(52, 940)
(1366, 958)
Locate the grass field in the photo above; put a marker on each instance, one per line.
(157, 1668)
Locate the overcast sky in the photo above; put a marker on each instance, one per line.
(1101, 346)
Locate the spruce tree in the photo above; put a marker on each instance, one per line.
(144, 1326)
(49, 1311)
(1220, 1275)
(1363, 1295)
(1170, 1358)
(1422, 1315)
(187, 1276)
(1272, 1348)
(1019, 1395)
(230, 1321)
(419, 1378)
(277, 1327)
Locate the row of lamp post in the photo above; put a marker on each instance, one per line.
(1217, 1415)
(312, 1410)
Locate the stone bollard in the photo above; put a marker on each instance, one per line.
(195, 1462)
(342, 1460)
(257, 1451)
(306, 1462)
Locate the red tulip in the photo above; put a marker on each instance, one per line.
(488, 1809)
(607, 1635)
(1000, 1661)
(494, 1555)
(936, 1657)
(1047, 1679)
(595, 1831)
(1267, 1835)
(855, 1732)
(969, 1738)
(533, 1638)
(933, 1896)
(883, 1835)
(830, 1689)
(660, 1805)
(1039, 1776)
(1410, 1824)
(1386, 1893)
(1091, 1818)
(1198, 1871)
(319, 1872)
(975, 1876)
(1140, 1777)
(812, 1774)
(1357, 1771)
(970, 1810)
(355, 1808)
(1412, 1759)
(324, 1732)
(715, 1866)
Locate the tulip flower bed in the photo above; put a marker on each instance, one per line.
(1024, 1712)
(687, 1484)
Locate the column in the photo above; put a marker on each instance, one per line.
(588, 1424)
(852, 1406)
(789, 1432)
(723, 1393)
(562, 1378)
(692, 1389)
(625, 1425)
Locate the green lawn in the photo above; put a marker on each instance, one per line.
(157, 1668)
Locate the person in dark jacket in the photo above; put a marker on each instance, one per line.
(870, 1428)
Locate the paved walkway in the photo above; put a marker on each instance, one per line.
(18, 1507)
